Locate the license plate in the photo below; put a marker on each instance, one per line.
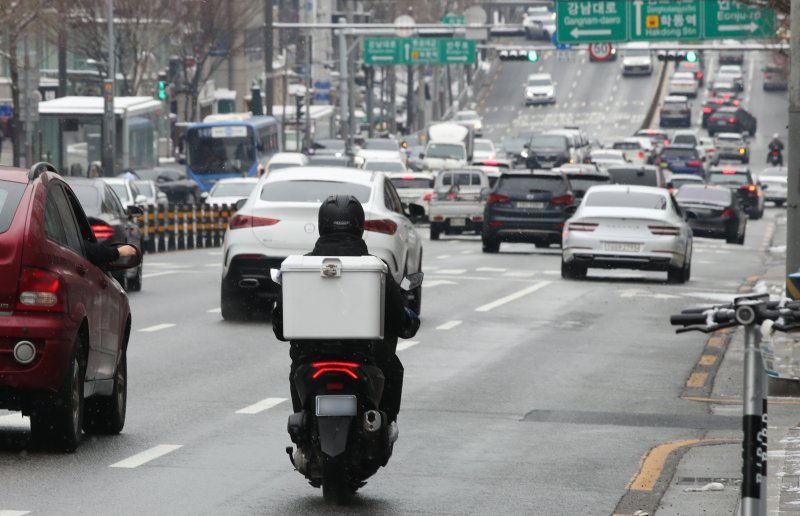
(678, 163)
(458, 222)
(333, 406)
(527, 204)
(625, 247)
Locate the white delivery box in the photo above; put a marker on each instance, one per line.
(333, 297)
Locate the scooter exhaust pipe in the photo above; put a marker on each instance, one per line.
(248, 283)
(372, 421)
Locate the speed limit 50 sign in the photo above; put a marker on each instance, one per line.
(600, 51)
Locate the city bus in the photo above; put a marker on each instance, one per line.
(229, 145)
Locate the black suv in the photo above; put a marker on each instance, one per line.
(739, 179)
(711, 105)
(547, 151)
(732, 119)
(527, 207)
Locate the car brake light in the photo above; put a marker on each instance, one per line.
(582, 226)
(428, 197)
(732, 120)
(666, 142)
(750, 188)
(726, 96)
(497, 198)
(641, 154)
(663, 110)
(408, 178)
(40, 290)
(712, 93)
(563, 199)
(102, 231)
(249, 221)
(699, 75)
(728, 171)
(658, 161)
(334, 367)
(727, 213)
(736, 103)
(694, 163)
(386, 226)
(665, 230)
(706, 110)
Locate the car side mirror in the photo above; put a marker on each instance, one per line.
(125, 262)
(421, 155)
(134, 211)
(688, 215)
(140, 199)
(204, 195)
(415, 211)
(239, 204)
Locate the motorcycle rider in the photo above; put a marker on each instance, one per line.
(776, 145)
(341, 226)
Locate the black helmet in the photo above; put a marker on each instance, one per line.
(341, 213)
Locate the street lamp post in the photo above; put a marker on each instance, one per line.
(109, 121)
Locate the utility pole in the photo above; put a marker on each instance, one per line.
(793, 186)
(109, 120)
(62, 50)
(410, 107)
(351, 85)
(344, 101)
(268, 51)
(27, 125)
(309, 83)
(369, 75)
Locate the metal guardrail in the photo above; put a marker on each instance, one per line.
(181, 226)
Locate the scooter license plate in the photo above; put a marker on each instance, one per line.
(334, 406)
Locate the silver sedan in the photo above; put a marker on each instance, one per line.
(630, 227)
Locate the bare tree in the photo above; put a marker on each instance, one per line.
(205, 35)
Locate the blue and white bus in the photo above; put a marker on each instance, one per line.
(229, 145)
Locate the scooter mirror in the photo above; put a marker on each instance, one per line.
(275, 274)
(412, 281)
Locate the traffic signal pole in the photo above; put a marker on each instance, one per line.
(793, 177)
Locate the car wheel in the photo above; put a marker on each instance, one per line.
(58, 420)
(542, 244)
(778, 204)
(436, 230)
(490, 245)
(755, 215)
(740, 240)
(135, 284)
(106, 414)
(679, 274)
(232, 309)
(573, 270)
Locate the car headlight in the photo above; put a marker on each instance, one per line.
(524, 154)
(476, 125)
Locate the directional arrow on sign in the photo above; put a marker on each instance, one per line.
(752, 27)
(638, 5)
(576, 32)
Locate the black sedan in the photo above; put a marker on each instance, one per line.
(173, 182)
(713, 212)
(731, 119)
(111, 223)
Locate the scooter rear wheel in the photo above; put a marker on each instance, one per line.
(336, 488)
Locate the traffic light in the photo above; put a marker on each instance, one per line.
(691, 56)
(162, 86)
(519, 54)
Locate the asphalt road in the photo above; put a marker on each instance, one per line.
(524, 393)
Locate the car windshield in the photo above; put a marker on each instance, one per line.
(672, 153)
(385, 166)
(685, 139)
(642, 200)
(704, 195)
(383, 144)
(605, 155)
(515, 145)
(146, 188)
(531, 184)
(446, 151)
(214, 150)
(411, 182)
(627, 146)
(549, 142)
(721, 178)
(278, 166)
(484, 146)
(232, 189)
(313, 191)
(328, 161)
(580, 182)
(121, 191)
(10, 195)
(462, 117)
(730, 140)
(672, 106)
(332, 145)
(543, 81)
(679, 182)
(636, 52)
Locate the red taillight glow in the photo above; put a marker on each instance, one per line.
(497, 198)
(581, 226)
(750, 188)
(40, 290)
(495, 224)
(428, 197)
(641, 154)
(386, 226)
(563, 199)
(732, 120)
(736, 103)
(727, 213)
(102, 231)
(335, 367)
(694, 163)
(728, 171)
(699, 75)
(706, 110)
(249, 221)
(665, 230)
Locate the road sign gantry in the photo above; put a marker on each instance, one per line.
(419, 51)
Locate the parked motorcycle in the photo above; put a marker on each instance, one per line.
(342, 436)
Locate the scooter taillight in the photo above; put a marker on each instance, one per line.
(335, 367)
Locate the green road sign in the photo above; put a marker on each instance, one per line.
(660, 20)
(418, 51)
(587, 22)
(728, 19)
(452, 19)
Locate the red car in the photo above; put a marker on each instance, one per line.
(66, 322)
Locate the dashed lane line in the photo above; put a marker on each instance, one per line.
(13, 513)
(451, 271)
(261, 406)
(146, 456)
(157, 327)
(402, 346)
(490, 269)
(522, 293)
(449, 325)
(154, 274)
(217, 310)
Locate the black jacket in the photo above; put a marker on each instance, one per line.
(100, 254)
(396, 320)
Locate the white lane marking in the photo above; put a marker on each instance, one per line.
(215, 253)
(436, 283)
(520, 274)
(449, 325)
(451, 271)
(443, 257)
(468, 251)
(217, 310)
(261, 406)
(157, 327)
(154, 274)
(213, 265)
(402, 346)
(146, 456)
(13, 513)
(490, 269)
(512, 297)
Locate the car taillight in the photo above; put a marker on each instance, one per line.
(666, 142)
(726, 96)
(102, 231)
(663, 111)
(386, 226)
(40, 290)
(699, 75)
(665, 230)
(732, 120)
(581, 226)
(658, 161)
(335, 367)
(750, 188)
(727, 213)
(706, 110)
(694, 163)
(641, 154)
(736, 103)
(497, 198)
(563, 199)
(712, 93)
(719, 102)
(428, 197)
(249, 221)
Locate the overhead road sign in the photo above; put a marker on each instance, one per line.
(594, 21)
(452, 19)
(419, 51)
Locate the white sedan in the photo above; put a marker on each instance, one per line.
(774, 181)
(630, 227)
(229, 191)
(280, 219)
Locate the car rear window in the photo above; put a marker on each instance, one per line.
(584, 182)
(88, 196)
(634, 176)
(675, 105)
(647, 201)
(462, 179)
(311, 191)
(688, 139)
(10, 195)
(707, 195)
(627, 145)
(679, 153)
(233, 189)
(531, 184)
(735, 179)
(411, 182)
